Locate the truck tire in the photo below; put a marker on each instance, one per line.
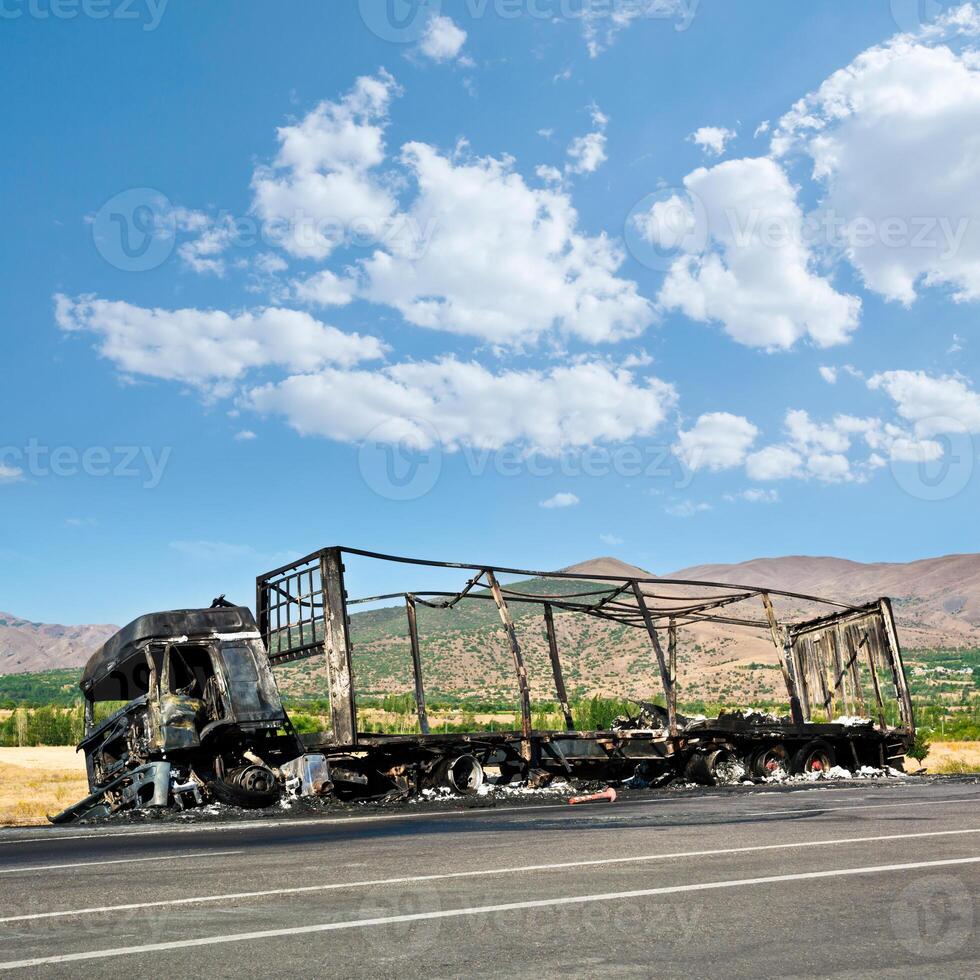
(717, 765)
(768, 760)
(815, 756)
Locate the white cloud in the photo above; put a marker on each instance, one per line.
(774, 463)
(203, 347)
(203, 253)
(587, 153)
(637, 359)
(455, 404)
(758, 280)
(713, 139)
(829, 374)
(563, 499)
(807, 435)
(892, 139)
(829, 467)
(443, 39)
(687, 508)
(10, 474)
(718, 441)
(761, 129)
(755, 495)
(245, 435)
(611, 539)
(813, 449)
(933, 404)
(322, 187)
(504, 262)
(324, 288)
(602, 21)
(825, 450)
(550, 175)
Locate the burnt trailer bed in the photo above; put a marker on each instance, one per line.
(203, 718)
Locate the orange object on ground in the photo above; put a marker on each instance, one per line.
(607, 794)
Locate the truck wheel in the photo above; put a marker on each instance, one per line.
(768, 761)
(815, 756)
(251, 787)
(713, 767)
(462, 774)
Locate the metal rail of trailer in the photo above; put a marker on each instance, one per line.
(842, 671)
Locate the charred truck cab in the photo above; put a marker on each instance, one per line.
(201, 716)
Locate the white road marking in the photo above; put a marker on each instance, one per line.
(239, 937)
(261, 824)
(414, 879)
(99, 864)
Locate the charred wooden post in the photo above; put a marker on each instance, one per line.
(659, 651)
(515, 649)
(340, 673)
(841, 671)
(549, 623)
(851, 650)
(783, 650)
(413, 635)
(879, 700)
(898, 667)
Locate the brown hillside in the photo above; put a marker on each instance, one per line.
(27, 647)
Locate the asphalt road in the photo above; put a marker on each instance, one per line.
(848, 881)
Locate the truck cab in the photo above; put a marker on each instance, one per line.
(192, 711)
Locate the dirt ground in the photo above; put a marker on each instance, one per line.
(37, 781)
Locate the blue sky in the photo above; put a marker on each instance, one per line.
(518, 282)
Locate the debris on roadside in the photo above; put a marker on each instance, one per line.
(606, 795)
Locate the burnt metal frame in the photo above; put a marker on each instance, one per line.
(317, 612)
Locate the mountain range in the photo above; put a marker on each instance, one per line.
(937, 603)
(28, 647)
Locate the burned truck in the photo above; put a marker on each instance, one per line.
(199, 717)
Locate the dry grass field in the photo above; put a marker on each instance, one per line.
(37, 781)
(950, 758)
